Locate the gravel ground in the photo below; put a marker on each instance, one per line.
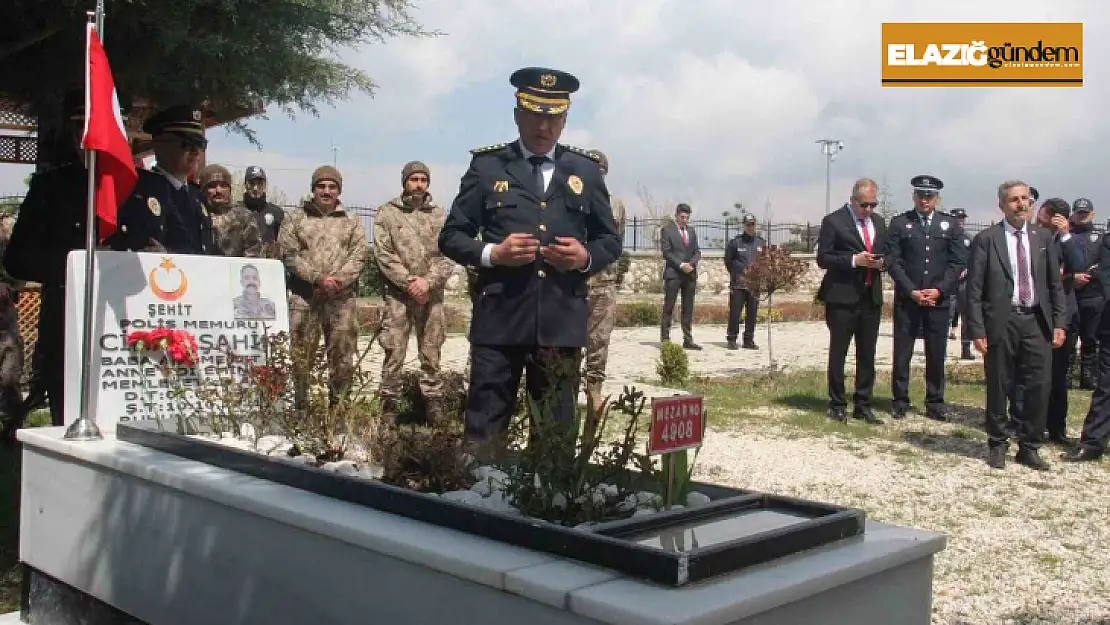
(1023, 547)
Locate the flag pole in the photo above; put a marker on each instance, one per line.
(85, 428)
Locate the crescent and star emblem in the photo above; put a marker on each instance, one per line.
(159, 292)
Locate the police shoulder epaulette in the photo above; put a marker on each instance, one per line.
(593, 156)
(487, 149)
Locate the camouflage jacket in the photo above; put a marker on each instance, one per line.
(406, 242)
(315, 246)
(236, 231)
(609, 275)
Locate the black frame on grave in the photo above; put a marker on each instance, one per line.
(606, 544)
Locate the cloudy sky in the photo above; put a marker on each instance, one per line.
(707, 102)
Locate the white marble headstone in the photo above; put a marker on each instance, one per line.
(140, 291)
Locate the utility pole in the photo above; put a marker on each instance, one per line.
(830, 148)
(334, 155)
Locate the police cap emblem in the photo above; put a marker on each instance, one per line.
(575, 184)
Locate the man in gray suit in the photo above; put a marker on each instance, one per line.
(680, 273)
(1016, 316)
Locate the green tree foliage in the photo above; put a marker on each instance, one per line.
(228, 52)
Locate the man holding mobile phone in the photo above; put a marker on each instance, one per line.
(852, 291)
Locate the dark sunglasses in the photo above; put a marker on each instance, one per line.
(868, 204)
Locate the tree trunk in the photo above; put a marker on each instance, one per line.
(770, 309)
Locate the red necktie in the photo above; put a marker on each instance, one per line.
(866, 244)
(685, 241)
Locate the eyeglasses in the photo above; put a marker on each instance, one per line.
(868, 204)
(928, 195)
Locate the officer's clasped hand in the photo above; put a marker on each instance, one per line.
(517, 249)
(566, 253)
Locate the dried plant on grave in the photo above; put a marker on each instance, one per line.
(422, 456)
(774, 270)
(424, 459)
(566, 473)
(324, 412)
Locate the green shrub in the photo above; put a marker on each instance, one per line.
(370, 283)
(673, 367)
(644, 314)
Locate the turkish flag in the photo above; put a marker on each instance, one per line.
(104, 134)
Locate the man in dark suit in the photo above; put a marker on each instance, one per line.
(1096, 427)
(924, 256)
(1088, 291)
(852, 290)
(681, 255)
(51, 223)
(165, 211)
(542, 210)
(1016, 312)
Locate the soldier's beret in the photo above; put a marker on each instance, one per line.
(1082, 205)
(542, 90)
(958, 213)
(926, 183)
(183, 121)
(213, 173)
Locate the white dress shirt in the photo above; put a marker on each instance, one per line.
(1011, 249)
(866, 224)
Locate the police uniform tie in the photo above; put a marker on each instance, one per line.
(537, 173)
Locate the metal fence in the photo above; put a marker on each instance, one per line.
(642, 233)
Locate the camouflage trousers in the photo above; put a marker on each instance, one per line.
(337, 321)
(11, 358)
(603, 316)
(402, 317)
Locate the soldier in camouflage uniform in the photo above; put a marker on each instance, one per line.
(406, 233)
(324, 249)
(11, 343)
(602, 307)
(236, 232)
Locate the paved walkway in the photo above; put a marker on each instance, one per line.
(633, 353)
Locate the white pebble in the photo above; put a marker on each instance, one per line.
(463, 496)
(344, 467)
(696, 499)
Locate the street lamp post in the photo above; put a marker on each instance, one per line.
(830, 148)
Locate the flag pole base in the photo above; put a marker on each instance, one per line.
(83, 429)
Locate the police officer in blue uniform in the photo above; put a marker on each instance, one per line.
(1088, 291)
(741, 252)
(959, 302)
(924, 255)
(542, 210)
(165, 212)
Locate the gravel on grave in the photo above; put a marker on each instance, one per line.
(487, 492)
(1024, 547)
